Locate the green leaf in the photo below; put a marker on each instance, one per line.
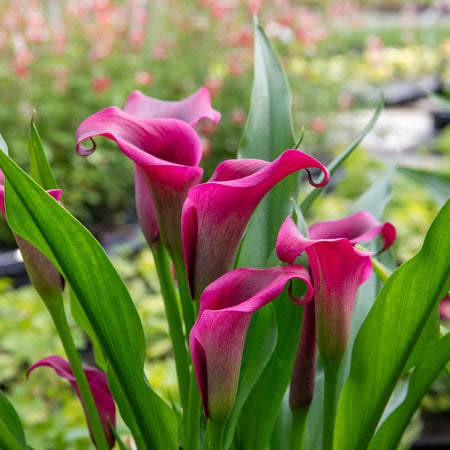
(389, 334)
(337, 162)
(436, 183)
(12, 436)
(259, 346)
(376, 198)
(268, 132)
(83, 322)
(254, 428)
(40, 168)
(433, 361)
(38, 218)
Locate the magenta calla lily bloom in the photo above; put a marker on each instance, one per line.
(98, 384)
(43, 274)
(217, 337)
(190, 110)
(159, 137)
(337, 270)
(216, 213)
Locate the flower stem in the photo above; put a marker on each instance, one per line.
(193, 415)
(169, 295)
(186, 300)
(56, 309)
(330, 403)
(298, 428)
(215, 434)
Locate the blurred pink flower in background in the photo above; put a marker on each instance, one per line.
(319, 125)
(214, 86)
(100, 84)
(143, 78)
(238, 116)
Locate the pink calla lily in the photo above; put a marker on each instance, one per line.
(190, 110)
(216, 213)
(159, 138)
(218, 336)
(337, 270)
(99, 387)
(43, 274)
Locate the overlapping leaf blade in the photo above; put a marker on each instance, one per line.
(390, 331)
(41, 220)
(432, 363)
(12, 436)
(268, 132)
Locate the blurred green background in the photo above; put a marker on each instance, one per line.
(69, 59)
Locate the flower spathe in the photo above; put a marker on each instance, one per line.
(216, 213)
(218, 336)
(337, 270)
(98, 384)
(190, 110)
(159, 137)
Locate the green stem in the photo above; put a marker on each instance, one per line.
(215, 434)
(56, 309)
(169, 295)
(186, 300)
(382, 272)
(298, 428)
(330, 403)
(193, 415)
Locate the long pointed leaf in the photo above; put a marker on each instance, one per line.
(40, 168)
(388, 335)
(339, 160)
(38, 218)
(268, 132)
(12, 436)
(433, 361)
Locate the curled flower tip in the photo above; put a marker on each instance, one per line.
(305, 298)
(86, 151)
(326, 178)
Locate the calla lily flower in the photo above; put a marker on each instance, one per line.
(99, 387)
(337, 270)
(159, 137)
(217, 337)
(216, 213)
(43, 274)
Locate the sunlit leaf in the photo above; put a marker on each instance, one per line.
(391, 330)
(38, 218)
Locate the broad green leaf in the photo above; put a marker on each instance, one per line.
(389, 334)
(12, 436)
(254, 429)
(432, 363)
(436, 183)
(38, 218)
(259, 346)
(280, 435)
(374, 200)
(337, 162)
(40, 168)
(82, 321)
(268, 132)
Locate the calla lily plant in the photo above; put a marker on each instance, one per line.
(299, 346)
